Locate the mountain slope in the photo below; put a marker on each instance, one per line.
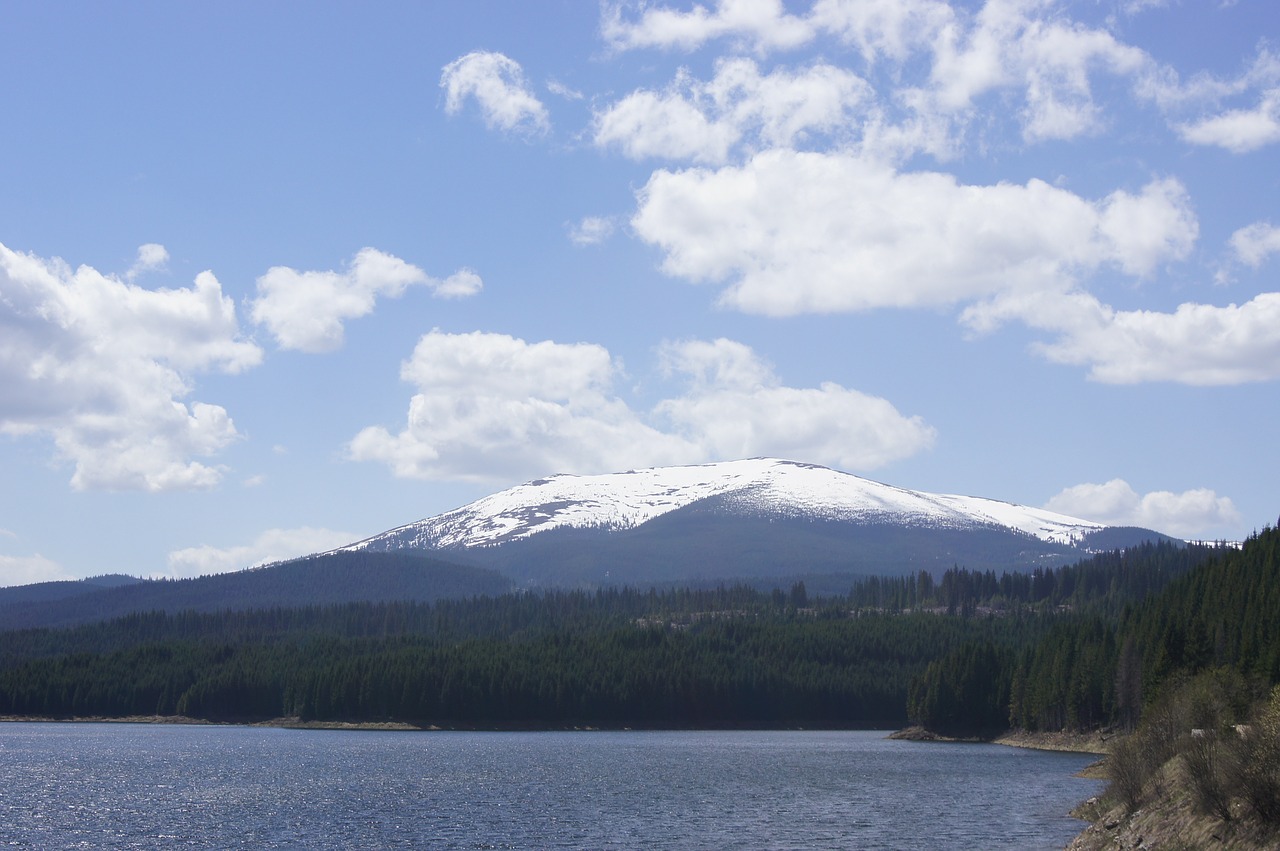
(326, 580)
(756, 518)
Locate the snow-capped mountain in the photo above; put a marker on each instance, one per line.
(751, 518)
(762, 487)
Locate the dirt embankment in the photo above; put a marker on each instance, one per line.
(1095, 742)
(291, 723)
(1170, 822)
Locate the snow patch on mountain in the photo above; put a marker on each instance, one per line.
(757, 486)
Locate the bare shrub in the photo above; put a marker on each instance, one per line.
(1259, 775)
(1209, 761)
(1129, 769)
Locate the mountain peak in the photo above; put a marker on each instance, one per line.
(759, 487)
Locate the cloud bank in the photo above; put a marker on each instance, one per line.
(306, 311)
(1191, 514)
(491, 406)
(102, 367)
(28, 570)
(497, 85)
(271, 546)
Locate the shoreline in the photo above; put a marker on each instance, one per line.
(187, 721)
(296, 723)
(1092, 743)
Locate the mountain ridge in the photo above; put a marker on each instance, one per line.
(619, 501)
(771, 517)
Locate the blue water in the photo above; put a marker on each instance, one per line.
(155, 786)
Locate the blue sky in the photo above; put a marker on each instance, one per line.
(279, 276)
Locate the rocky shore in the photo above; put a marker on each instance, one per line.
(1171, 823)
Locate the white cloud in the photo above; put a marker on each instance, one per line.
(648, 124)
(1024, 47)
(28, 570)
(1197, 344)
(1192, 514)
(1255, 243)
(791, 233)
(1239, 130)
(737, 408)
(306, 310)
(1133, 7)
(491, 406)
(765, 24)
(885, 29)
(151, 258)
(495, 407)
(703, 122)
(498, 86)
(1057, 61)
(100, 366)
(944, 60)
(561, 90)
(1162, 85)
(461, 284)
(592, 230)
(271, 546)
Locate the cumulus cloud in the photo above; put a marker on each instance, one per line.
(494, 407)
(151, 258)
(1001, 47)
(101, 365)
(703, 122)
(306, 310)
(1192, 514)
(1197, 344)
(491, 406)
(737, 408)
(764, 24)
(1134, 7)
(271, 546)
(498, 86)
(592, 230)
(884, 29)
(792, 232)
(945, 61)
(1024, 47)
(461, 284)
(1239, 130)
(28, 570)
(1240, 114)
(1254, 244)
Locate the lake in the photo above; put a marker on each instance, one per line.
(160, 786)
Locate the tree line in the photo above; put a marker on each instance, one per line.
(1097, 667)
(965, 653)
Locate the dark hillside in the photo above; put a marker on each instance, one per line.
(41, 592)
(701, 544)
(1101, 665)
(316, 581)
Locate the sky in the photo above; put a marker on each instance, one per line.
(275, 277)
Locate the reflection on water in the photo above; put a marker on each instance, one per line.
(143, 786)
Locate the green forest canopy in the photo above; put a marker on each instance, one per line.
(964, 653)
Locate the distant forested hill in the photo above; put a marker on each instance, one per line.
(1099, 666)
(723, 658)
(319, 580)
(728, 656)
